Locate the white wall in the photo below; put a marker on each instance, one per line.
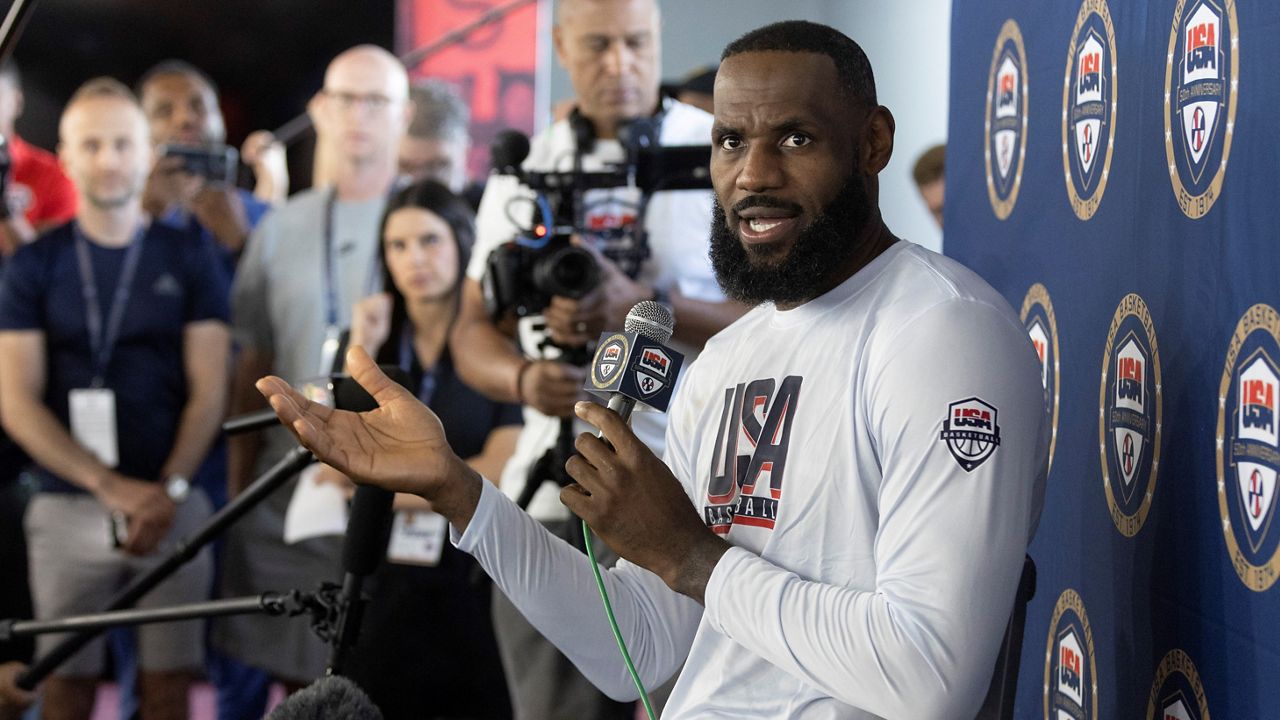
(907, 41)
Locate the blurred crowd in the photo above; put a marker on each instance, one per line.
(144, 292)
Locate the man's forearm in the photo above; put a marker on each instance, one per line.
(487, 360)
(198, 427)
(43, 436)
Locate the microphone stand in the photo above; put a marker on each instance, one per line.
(321, 604)
(281, 472)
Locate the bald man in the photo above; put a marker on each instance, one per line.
(113, 356)
(304, 267)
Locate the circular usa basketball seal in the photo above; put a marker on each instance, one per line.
(609, 359)
(1176, 692)
(1201, 84)
(1042, 328)
(1089, 107)
(1248, 447)
(1070, 669)
(1005, 138)
(1129, 413)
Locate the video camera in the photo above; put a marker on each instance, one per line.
(541, 262)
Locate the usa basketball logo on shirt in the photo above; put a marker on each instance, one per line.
(971, 432)
(750, 457)
(1248, 447)
(1177, 693)
(1201, 83)
(1070, 668)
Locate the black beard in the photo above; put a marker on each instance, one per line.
(821, 250)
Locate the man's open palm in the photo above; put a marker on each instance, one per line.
(399, 446)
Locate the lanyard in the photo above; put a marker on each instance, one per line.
(330, 282)
(102, 344)
(427, 386)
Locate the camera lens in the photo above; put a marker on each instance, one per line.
(568, 272)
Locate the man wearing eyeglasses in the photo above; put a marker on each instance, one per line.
(304, 267)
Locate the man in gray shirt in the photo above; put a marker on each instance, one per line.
(305, 265)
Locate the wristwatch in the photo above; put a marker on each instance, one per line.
(178, 488)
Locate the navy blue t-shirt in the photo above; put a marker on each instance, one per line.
(179, 280)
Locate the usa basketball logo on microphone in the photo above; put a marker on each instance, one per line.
(1176, 692)
(609, 358)
(1006, 122)
(1070, 668)
(1248, 447)
(1201, 82)
(1129, 415)
(1089, 107)
(971, 432)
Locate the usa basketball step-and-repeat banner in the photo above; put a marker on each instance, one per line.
(1113, 168)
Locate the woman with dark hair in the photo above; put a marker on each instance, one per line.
(426, 647)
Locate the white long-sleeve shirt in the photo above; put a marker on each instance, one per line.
(887, 446)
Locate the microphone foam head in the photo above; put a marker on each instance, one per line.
(652, 320)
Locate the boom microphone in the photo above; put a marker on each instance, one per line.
(368, 528)
(635, 366)
(329, 698)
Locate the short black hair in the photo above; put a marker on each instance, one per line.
(852, 67)
(174, 67)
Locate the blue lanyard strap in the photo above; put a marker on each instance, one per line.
(427, 386)
(102, 344)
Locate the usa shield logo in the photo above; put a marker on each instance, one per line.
(1088, 126)
(1129, 415)
(1200, 100)
(971, 432)
(1130, 394)
(1248, 447)
(1005, 129)
(1070, 667)
(1202, 31)
(1256, 407)
(608, 360)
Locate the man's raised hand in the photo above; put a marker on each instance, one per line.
(399, 446)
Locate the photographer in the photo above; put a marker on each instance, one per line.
(181, 104)
(610, 49)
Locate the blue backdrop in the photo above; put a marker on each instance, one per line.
(1112, 169)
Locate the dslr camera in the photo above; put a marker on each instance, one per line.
(541, 262)
(215, 163)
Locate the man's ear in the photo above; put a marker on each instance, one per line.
(557, 42)
(877, 140)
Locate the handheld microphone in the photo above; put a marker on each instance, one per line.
(635, 366)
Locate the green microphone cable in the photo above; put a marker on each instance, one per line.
(613, 622)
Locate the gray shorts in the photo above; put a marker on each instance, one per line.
(74, 570)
